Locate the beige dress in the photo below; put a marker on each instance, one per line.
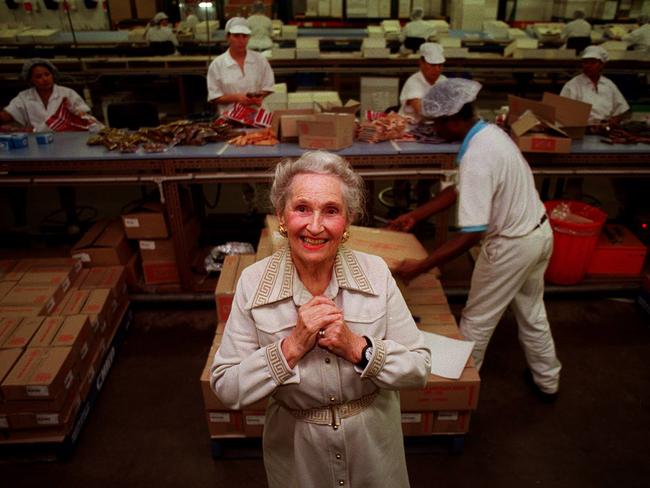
(367, 449)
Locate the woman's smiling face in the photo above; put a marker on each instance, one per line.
(315, 217)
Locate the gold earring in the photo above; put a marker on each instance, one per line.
(345, 237)
(282, 230)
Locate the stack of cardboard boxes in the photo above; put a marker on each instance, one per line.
(57, 321)
(443, 406)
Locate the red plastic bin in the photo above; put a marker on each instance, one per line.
(573, 242)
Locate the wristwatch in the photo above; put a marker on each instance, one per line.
(366, 354)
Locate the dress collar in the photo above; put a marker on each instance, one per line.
(277, 281)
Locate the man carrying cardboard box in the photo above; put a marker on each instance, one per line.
(497, 203)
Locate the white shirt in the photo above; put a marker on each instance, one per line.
(417, 28)
(606, 100)
(262, 30)
(576, 28)
(639, 38)
(225, 77)
(496, 188)
(415, 87)
(160, 34)
(28, 110)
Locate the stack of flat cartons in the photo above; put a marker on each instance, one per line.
(443, 406)
(50, 357)
(379, 93)
(391, 28)
(307, 48)
(374, 47)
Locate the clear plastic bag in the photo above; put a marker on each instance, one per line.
(214, 260)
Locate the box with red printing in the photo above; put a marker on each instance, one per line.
(618, 252)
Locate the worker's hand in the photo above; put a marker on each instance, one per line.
(409, 270)
(318, 313)
(340, 340)
(402, 223)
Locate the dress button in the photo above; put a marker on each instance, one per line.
(332, 399)
(327, 360)
(338, 456)
(341, 482)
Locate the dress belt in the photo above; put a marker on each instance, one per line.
(332, 414)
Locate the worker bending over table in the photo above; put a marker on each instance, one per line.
(498, 205)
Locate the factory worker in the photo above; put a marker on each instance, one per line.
(578, 27)
(416, 31)
(33, 107)
(239, 75)
(417, 85)
(639, 38)
(607, 103)
(160, 31)
(261, 28)
(498, 205)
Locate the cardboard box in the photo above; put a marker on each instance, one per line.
(423, 296)
(104, 244)
(278, 115)
(101, 307)
(233, 266)
(41, 373)
(379, 93)
(264, 246)
(112, 277)
(5, 287)
(75, 333)
(391, 245)
(225, 423)
(160, 272)
(444, 394)
(440, 422)
(30, 301)
(146, 222)
(163, 249)
(46, 332)
(8, 358)
(326, 131)
(526, 133)
(618, 253)
(350, 107)
(253, 423)
(54, 275)
(6, 265)
(572, 115)
(16, 332)
(53, 418)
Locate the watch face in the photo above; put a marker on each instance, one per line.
(368, 354)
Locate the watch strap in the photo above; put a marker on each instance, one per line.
(363, 362)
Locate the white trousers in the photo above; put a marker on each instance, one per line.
(511, 271)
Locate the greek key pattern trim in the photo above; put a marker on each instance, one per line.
(326, 415)
(269, 277)
(378, 358)
(279, 372)
(358, 275)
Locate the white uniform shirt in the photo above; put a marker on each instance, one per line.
(606, 100)
(417, 28)
(415, 87)
(640, 38)
(262, 30)
(225, 77)
(28, 110)
(160, 34)
(496, 189)
(576, 28)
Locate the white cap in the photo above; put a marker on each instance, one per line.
(432, 52)
(159, 17)
(448, 96)
(595, 52)
(238, 25)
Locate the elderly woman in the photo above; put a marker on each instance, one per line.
(325, 333)
(36, 107)
(239, 75)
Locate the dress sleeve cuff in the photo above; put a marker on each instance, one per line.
(378, 358)
(280, 370)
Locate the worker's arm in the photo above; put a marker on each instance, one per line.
(442, 201)
(415, 104)
(241, 98)
(410, 268)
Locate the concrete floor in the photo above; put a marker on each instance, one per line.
(148, 427)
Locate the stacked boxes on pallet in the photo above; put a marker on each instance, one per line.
(56, 322)
(443, 406)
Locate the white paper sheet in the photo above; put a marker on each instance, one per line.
(448, 356)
